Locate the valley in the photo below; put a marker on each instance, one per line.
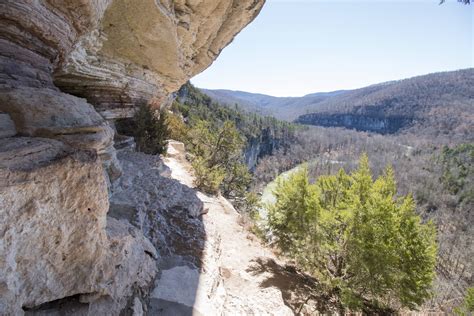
(415, 149)
(440, 179)
(438, 105)
(126, 190)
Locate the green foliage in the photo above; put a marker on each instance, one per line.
(177, 128)
(218, 162)
(365, 244)
(237, 180)
(467, 306)
(208, 178)
(197, 106)
(251, 205)
(150, 131)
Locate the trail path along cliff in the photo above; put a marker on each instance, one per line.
(242, 287)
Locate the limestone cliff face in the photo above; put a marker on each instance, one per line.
(115, 53)
(67, 68)
(148, 49)
(264, 145)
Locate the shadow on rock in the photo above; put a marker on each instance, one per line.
(169, 214)
(301, 292)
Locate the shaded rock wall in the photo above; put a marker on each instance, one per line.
(66, 68)
(261, 146)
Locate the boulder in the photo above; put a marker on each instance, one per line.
(55, 239)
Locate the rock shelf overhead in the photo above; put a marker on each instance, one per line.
(68, 69)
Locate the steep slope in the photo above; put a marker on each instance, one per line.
(263, 135)
(434, 105)
(69, 68)
(440, 104)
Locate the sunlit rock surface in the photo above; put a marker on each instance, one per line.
(218, 269)
(53, 224)
(146, 50)
(63, 63)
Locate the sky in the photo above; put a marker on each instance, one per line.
(296, 47)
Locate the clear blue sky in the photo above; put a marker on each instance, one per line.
(299, 47)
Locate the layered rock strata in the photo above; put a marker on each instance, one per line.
(63, 63)
(56, 241)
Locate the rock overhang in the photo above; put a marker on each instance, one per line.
(63, 62)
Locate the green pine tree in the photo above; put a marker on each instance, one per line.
(467, 306)
(363, 242)
(218, 164)
(151, 130)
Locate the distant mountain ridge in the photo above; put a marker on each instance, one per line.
(437, 104)
(284, 108)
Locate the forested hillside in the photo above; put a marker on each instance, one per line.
(225, 143)
(283, 108)
(435, 105)
(263, 134)
(439, 105)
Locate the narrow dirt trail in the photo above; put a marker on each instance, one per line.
(238, 264)
(245, 289)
